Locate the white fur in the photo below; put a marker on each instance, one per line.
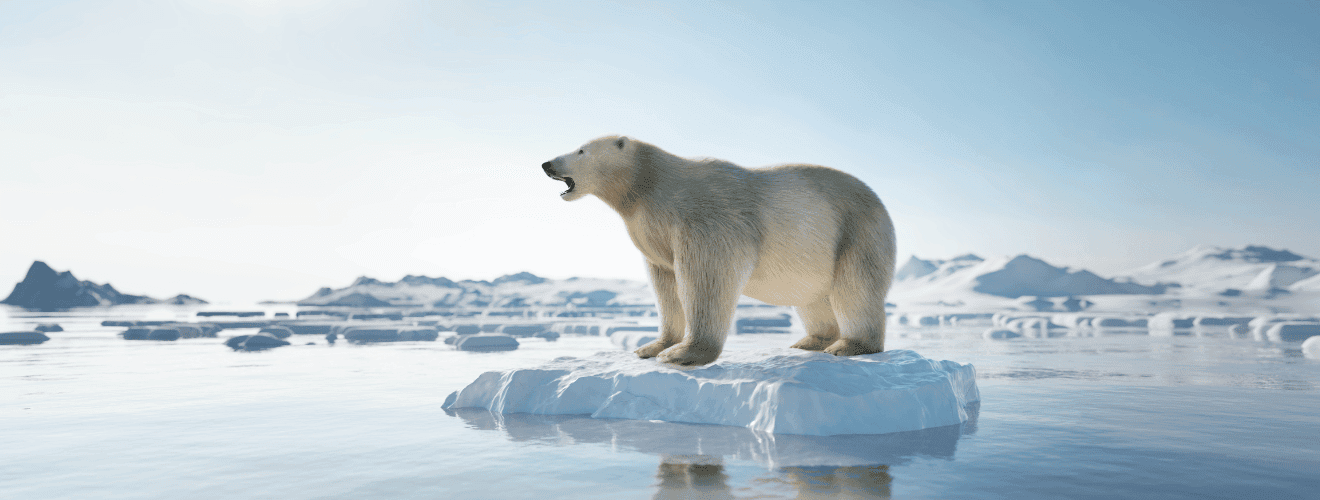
(799, 235)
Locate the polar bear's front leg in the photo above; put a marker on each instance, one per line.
(709, 287)
(671, 312)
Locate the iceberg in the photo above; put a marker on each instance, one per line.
(778, 390)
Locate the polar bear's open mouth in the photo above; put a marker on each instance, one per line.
(569, 181)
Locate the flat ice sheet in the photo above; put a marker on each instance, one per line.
(778, 390)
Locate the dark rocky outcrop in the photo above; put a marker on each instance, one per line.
(184, 300)
(49, 327)
(13, 338)
(524, 330)
(195, 330)
(256, 342)
(116, 322)
(137, 333)
(308, 328)
(486, 342)
(341, 314)
(226, 325)
(240, 314)
(44, 288)
(375, 316)
(390, 334)
(467, 329)
(277, 331)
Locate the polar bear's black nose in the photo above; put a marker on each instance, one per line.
(548, 170)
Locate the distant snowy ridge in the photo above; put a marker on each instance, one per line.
(1201, 271)
(1009, 277)
(513, 290)
(45, 288)
(1211, 269)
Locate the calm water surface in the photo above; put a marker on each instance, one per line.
(1113, 415)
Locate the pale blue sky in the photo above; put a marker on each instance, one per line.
(250, 149)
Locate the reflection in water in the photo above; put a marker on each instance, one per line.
(692, 476)
(692, 455)
(679, 439)
(703, 476)
(839, 482)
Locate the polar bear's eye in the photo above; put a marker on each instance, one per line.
(580, 151)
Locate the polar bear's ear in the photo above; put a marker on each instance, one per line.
(621, 142)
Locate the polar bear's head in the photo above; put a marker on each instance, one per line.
(591, 168)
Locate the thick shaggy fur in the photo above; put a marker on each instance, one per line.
(799, 235)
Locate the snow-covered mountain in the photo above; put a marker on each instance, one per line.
(930, 270)
(45, 288)
(514, 290)
(1009, 277)
(1217, 270)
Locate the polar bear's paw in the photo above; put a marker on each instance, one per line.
(688, 354)
(813, 343)
(850, 347)
(652, 349)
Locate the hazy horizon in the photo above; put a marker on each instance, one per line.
(243, 150)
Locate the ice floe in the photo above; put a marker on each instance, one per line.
(629, 340)
(1311, 348)
(769, 390)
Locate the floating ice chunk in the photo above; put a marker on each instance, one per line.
(258, 342)
(1118, 322)
(1292, 331)
(523, 330)
(629, 340)
(631, 328)
(1210, 320)
(486, 342)
(151, 334)
(1262, 324)
(1170, 321)
(770, 390)
(999, 333)
(1311, 348)
(279, 332)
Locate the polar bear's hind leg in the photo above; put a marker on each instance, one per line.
(822, 328)
(861, 281)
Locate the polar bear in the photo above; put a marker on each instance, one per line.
(795, 235)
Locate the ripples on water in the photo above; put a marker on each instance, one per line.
(1111, 415)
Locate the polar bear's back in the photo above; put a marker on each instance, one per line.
(811, 215)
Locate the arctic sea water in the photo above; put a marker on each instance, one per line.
(1114, 414)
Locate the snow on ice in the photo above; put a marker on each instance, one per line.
(770, 390)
